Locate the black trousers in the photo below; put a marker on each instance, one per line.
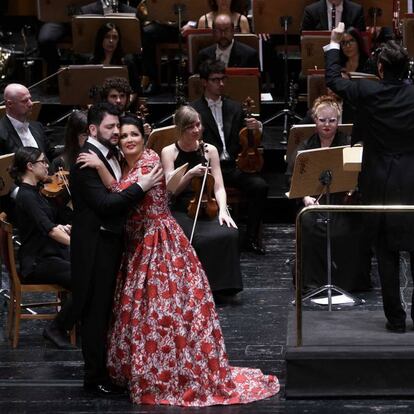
(97, 311)
(389, 272)
(255, 189)
(55, 269)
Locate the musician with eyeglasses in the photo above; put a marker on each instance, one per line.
(347, 231)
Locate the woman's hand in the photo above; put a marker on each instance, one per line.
(90, 160)
(310, 201)
(153, 178)
(197, 171)
(224, 217)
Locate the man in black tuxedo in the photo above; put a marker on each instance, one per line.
(385, 124)
(222, 120)
(16, 130)
(97, 240)
(319, 15)
(226, 49)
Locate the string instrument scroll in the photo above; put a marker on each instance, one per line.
(203, 203)
(250, 159)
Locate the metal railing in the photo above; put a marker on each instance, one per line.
(336, 209)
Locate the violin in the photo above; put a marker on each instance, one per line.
(203, 202)
(250, 159)
(56, 184)
(142, 112)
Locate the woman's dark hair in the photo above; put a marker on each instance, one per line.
(132, 120)
(22, 157)
(99, 54)
(77, 124)
(363, 53)
(236, 6)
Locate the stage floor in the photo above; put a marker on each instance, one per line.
(36, 378)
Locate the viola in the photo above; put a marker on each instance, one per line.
(142, 112)
(250, 159)
(203, 202)
(56, 184)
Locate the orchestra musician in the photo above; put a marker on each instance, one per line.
(215, 238)
(347, 231)
(44, 250)
(222, 120)
(326, 14)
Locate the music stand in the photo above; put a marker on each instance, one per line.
(165, 10)
(78, 83)
(59, 11)
(284, 18)
(317, 171)
(85, 27)
(312, 43)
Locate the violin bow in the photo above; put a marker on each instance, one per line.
(199, 201)
(64, 180)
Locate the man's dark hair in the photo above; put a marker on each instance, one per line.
(97, 112)
(394, 59)
(119, 84)
(211, 66)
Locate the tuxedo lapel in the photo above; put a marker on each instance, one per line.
(323, 15)
(234, 58)
(227, 121)
(92, 147)
(37, 135)
(12, 133)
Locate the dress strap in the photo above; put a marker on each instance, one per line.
(206, 22)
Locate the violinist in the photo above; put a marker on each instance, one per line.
(44, 251)
(76, 134)
(215, 239)
(222, 120)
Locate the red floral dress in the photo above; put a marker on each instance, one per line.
(166, 343)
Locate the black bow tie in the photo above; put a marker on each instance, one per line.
(112, 152)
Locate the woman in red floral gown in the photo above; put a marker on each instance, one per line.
(165, 343)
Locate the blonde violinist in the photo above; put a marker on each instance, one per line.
(216, 239)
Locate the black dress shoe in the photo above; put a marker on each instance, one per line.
(395, 328)
(58, 337)
(106, 389)
(251, 246)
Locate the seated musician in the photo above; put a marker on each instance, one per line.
(222, 120)
(44, 251)
(225, 48)
(215, 238)
(347, 231)
(326, 14)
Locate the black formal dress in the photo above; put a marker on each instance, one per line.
(42, 259)
(315, 16)
(385, 124)
(217, 246)
(241, 56)
(350, 248)
(252, 185)
(96, 248)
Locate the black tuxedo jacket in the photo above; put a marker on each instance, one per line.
(315, 16)
(96, 211)
(233, 122)
(241, 56)
(385, 124)
(10, 140)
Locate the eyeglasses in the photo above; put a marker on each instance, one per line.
(44, 162)
(328, 120)
(218, 79)
(347, 42)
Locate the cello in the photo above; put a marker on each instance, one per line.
(250, 159)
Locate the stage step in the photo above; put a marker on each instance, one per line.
(348, 353)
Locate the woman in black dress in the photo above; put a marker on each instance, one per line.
(44, 250)
(216, 241)
(351, 252)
